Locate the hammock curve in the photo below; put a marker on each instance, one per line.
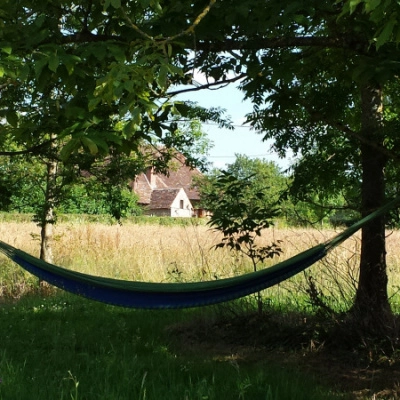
(178, 295)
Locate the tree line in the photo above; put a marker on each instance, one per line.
(105, 190)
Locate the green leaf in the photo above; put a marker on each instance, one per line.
(40, 20)
(110, 138)
(90, 145)
(129, 129)
(75, 112)
(353, 5)
(39, 64)
(116, 3)
(93, 103)
(54, 61)
(175, 69)
(12, 118)
(99, 51)
(136, 116)
(169, 50)
(69, 62)
(24, 72)
(6, 49)
(117, 52)
(163, 76)
(69, 148)
(370, 5)
(386, 33)
(129, 86)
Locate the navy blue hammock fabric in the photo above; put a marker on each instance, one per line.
(178, 295)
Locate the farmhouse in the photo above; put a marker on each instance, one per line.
(171, 195)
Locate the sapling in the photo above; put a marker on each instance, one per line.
(241, 215)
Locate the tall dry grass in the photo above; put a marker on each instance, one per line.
(176, 253)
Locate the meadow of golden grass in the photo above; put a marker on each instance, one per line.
(182, 253)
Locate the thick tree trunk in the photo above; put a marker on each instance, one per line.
(371, 303)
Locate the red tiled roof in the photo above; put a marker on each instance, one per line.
(183, 178)
(142, 188)
(163, 198)
(180, 176)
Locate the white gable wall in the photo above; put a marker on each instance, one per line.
(181, 206)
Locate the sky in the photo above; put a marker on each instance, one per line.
(241, 140)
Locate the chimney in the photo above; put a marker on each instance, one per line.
(151, 177)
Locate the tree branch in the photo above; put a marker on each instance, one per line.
(196, 22)
(135, 27)
(346, 130)
(261, 42)
(31, 150)
(86, 37)
(207, 85)
(254, 43)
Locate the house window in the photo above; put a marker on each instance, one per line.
(181, 203)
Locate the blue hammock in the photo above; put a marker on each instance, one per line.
(178, 295)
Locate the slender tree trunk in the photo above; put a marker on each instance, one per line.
(47, 218)
(371, 303)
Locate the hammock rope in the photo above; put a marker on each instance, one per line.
(149, 295)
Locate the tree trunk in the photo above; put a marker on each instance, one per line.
(47, 217)
(371, 304)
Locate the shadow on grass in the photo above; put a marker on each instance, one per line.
(329, 349)
(65, 347)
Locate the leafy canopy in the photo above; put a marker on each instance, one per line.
(94, 76)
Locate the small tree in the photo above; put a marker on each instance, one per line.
(241, 215)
